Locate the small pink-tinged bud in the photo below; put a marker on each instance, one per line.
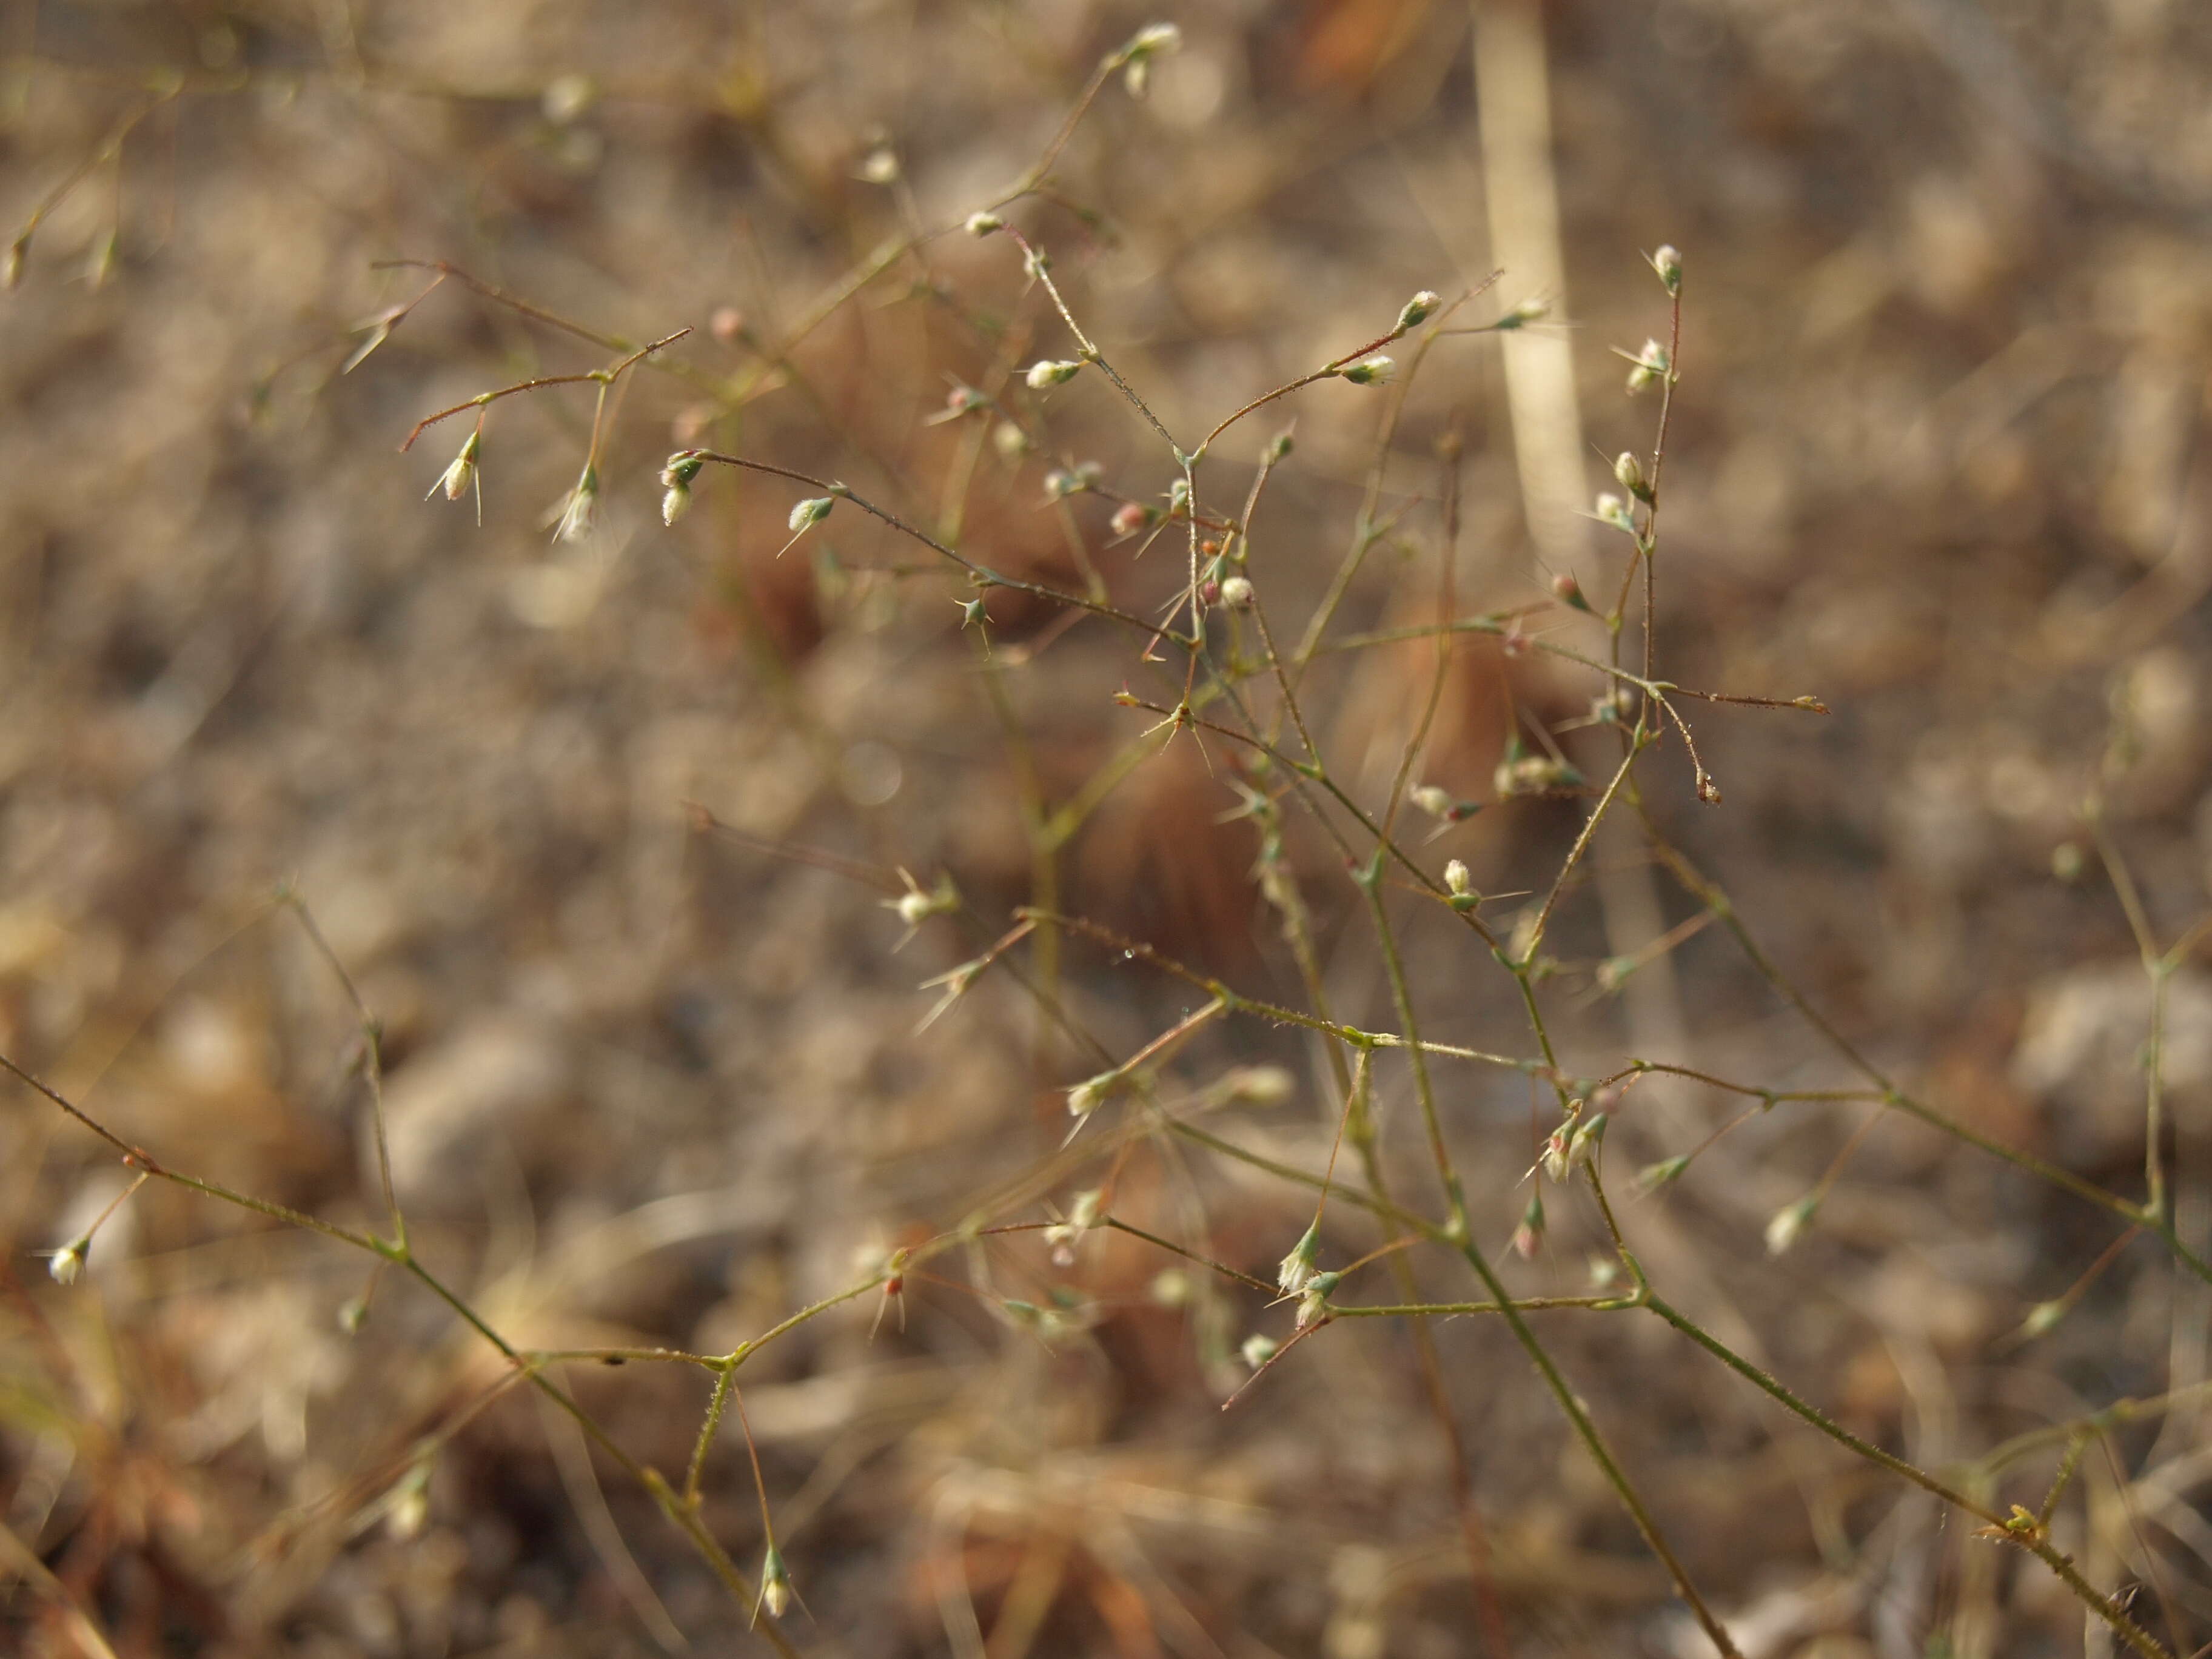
(1129, 518)
(1528, 1237)
(1588, 1136)
(726, 324)
(1568, 592)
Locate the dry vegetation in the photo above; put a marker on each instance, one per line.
(546, 892)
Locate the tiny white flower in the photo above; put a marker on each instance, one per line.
(1258, 1350)
(809, 512)
(1435, 801)
(1237, 591)
(1373, 371)
(982, 224)
(65, 1264)
(1457, 881)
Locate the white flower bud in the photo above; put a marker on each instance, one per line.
(1553, 1161)
(1457, 881)
(1628, 473)
(1667, 261)
(1237, 591)
(1417, 310)
(455, 480)
(63, 1265)
(579, 515)
(1528, 1237)
(1315, 1297)
(1610, 509)
(1258, 1350)
(1259, 1086)
(1788, 1224)
(1588, 1136)
(776, 1584)
(1435, 801)
(1374, 371)
(1051, 372)
(982, 224)
(1086, 1096)
(1527, 312)
(809, 512)
(1650, 367)
(1296, 1270)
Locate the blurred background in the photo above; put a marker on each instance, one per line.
(1938, 457)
